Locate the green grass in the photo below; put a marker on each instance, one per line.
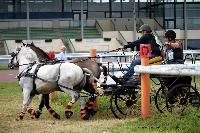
(11, 100)
(4, 68)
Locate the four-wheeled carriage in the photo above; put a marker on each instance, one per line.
(175, 93)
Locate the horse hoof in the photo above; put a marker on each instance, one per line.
(32, 116)
(92, 113)
(37, 114)
(68, 114)
(18, 119)
(86, 117)
(56, 116)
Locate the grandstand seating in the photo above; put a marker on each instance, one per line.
(89, 32)
(41, 34)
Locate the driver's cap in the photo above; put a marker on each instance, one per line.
(145, 27)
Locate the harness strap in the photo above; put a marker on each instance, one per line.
(26, 73)
(35, 76)
(58, 73)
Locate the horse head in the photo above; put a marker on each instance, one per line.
(22, 55)
(13, 62)
(90, 78)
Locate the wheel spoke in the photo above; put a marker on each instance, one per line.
(123, 105)
(181, 97)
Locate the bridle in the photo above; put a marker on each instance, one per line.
(14, 55)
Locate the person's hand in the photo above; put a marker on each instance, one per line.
(126, 46)
(167, 43)
(129, 43)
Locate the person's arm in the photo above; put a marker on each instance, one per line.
(59, 57)
(174, 45)
(142, 40)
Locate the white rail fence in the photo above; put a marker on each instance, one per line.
(117, 61)
(192, 54)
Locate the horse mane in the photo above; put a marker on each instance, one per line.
(42, 56)
(85, 62)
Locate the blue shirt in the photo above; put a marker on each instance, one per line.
(62, 56)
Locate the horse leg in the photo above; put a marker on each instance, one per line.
(30, 110)
(68, 112)
(90, 104)
(45, 101)
(89, 107)
(51, 111)
(26, 101)
(84, 108)
(38, 111)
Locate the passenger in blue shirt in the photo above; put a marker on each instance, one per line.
(62, 55)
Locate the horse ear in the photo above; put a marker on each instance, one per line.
(18, 48)
(32, 44)
(23, 43)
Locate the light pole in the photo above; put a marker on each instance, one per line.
(185, 23)
(27, 20)
(134, 22)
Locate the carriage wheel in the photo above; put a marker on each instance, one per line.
(180, 96)
(161, 100)
(124, 103)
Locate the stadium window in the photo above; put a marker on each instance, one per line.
(169, 0)
(143, 0)
(104, 1)
(107, 15)
(34, 1)
(9, 1)
(116, 15)
(97, 1)
(39, 1)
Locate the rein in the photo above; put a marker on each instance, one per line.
(98, 57)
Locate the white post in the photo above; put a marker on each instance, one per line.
(27, 20)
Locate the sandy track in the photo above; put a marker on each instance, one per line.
(8, 75)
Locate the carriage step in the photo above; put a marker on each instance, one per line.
(117, 80)
(108, 91)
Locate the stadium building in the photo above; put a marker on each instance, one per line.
(102, 24)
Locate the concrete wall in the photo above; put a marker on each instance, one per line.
(110, 34)
(106, 24)
(127, 35)
(86, 44)
(55, 45)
